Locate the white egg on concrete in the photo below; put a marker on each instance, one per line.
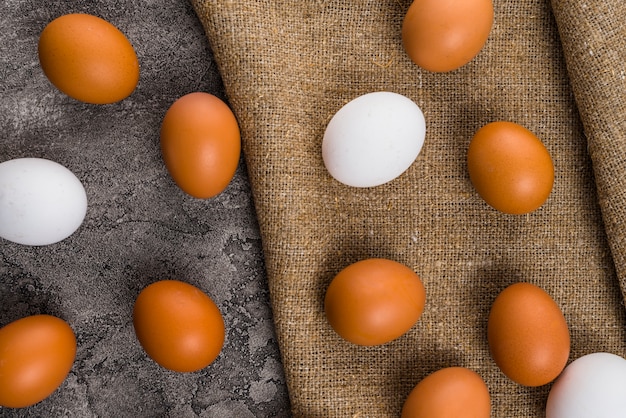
(593, 385)
(373, 139)
(41, 201)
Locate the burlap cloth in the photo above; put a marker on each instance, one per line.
(558, 69)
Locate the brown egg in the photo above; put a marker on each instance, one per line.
(36, 354)
(374, 301)
(88, 59)
(443, 35)
(451, 392)
(528, 335)
(178, 325)
(200, 144)
(510, 168)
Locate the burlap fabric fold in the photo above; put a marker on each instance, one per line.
(594, 41)
(288, 66)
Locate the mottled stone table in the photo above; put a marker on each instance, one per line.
(139, 227)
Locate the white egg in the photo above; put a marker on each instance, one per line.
(373, 139)
(591, 386)
(41, 201)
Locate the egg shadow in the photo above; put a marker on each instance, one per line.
(23, 294)
(437, 359)
(488, 281)
(145, 271)
(352, 248)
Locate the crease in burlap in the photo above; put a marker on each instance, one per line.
(594, 41)
(288, 66)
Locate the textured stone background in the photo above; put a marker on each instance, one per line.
(139, 227)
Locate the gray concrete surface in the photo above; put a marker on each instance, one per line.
(139, 226)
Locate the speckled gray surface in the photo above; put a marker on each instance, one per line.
(139, 226)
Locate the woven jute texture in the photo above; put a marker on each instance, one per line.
(557, 69)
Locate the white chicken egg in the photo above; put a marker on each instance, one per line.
(593, 385)
(41, 201)
(373, 139)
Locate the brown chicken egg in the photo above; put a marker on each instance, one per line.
(452, 392)
(88, 59)
(36, 355)
(443, 35)
(374, 301)
(510, 168)
(528, 335)
(200, 144)
(178, 325)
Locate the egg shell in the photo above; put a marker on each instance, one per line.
(450, 392)
(443, 35)
(41, 201)
(88, 59)
(593, 385)
(200, 144)
(36, 354)
(374, 301)
(510, 167)
(178, 325)
(528, 335)
(373, 139)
